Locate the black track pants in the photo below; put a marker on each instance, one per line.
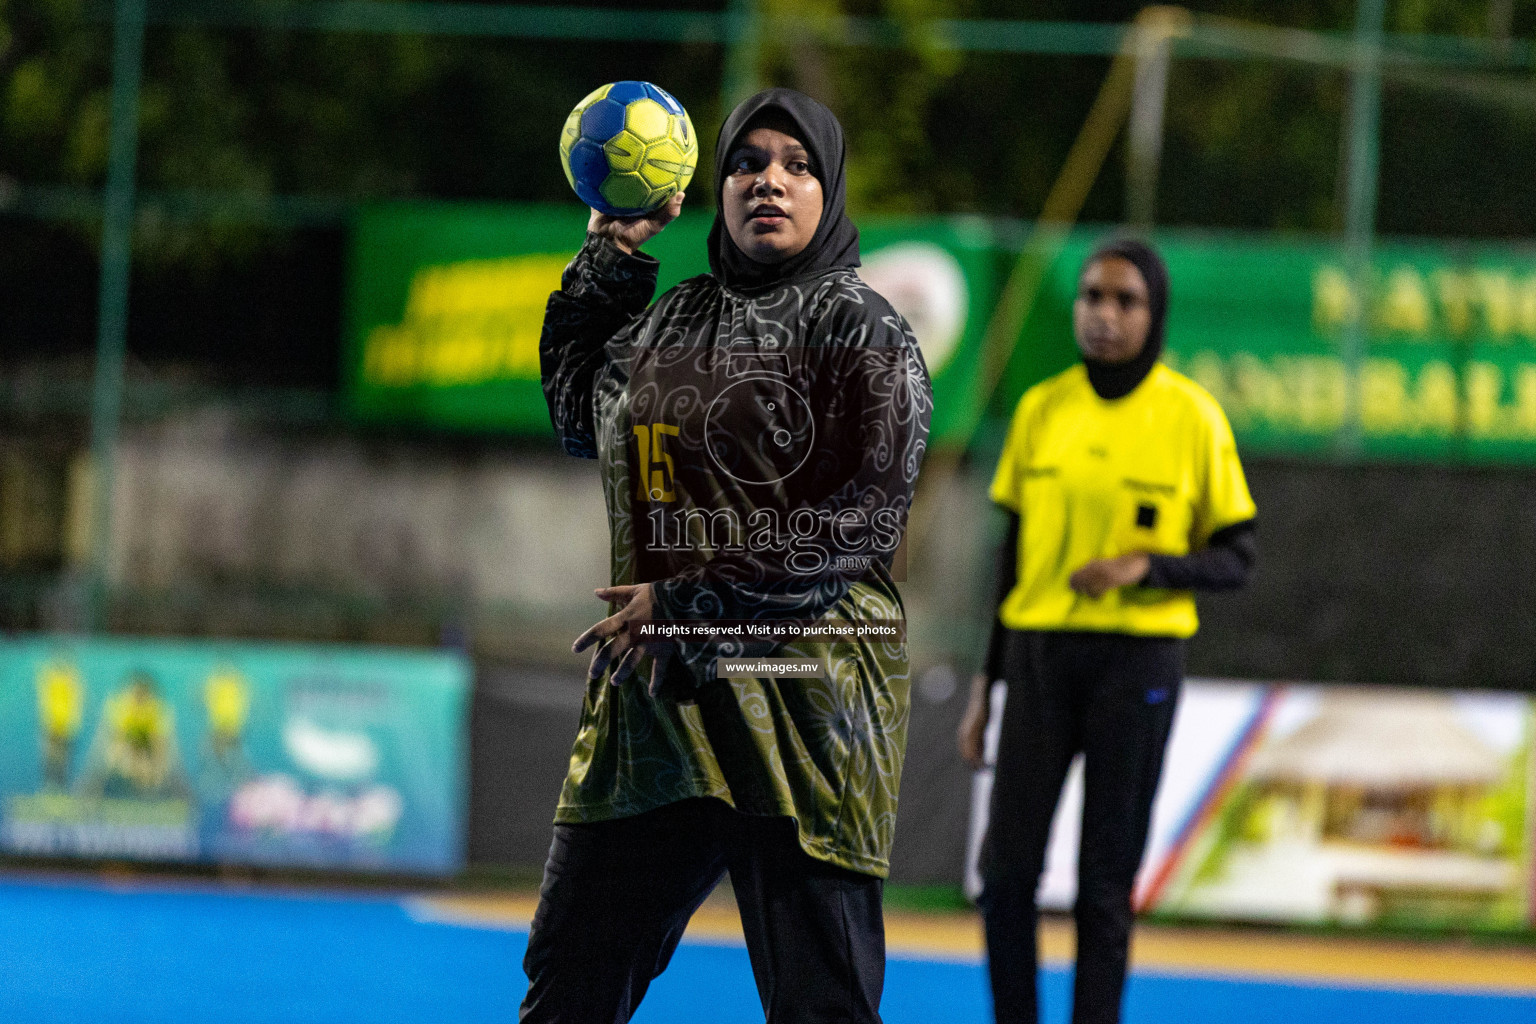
(618, 894)
(1111, 697)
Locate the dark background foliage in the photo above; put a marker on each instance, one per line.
(346, 118)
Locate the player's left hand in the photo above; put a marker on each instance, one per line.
(615, 645)
(1102, 575)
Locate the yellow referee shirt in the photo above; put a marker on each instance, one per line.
(1155, 471)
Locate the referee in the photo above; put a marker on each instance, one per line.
(1124, 494)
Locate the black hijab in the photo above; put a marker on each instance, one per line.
(836, 242)
(1116, 380)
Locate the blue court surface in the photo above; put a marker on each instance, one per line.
(85, 951)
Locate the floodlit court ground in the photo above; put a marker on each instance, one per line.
(74, 949)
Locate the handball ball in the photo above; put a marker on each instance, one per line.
(628, 148)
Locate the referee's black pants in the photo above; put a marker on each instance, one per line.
(1111, 697)
(618, 894)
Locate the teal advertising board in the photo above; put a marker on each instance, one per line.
(304, 756)
(446, 303)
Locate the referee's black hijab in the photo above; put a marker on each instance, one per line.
(1116, 380)
(836, 241)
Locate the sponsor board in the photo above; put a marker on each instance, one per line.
(1345, 805)
(446, 304)
(1446, 373)
(325, 757)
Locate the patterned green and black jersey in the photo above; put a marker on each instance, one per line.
(758, 455)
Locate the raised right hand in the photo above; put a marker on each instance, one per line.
(630, 233)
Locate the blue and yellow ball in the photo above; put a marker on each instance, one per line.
(627, 148)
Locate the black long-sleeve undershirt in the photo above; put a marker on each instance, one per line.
(1225, 563)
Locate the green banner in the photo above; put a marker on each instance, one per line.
(446, 304)
(1448, 372)
(941, 275)
(328, 757)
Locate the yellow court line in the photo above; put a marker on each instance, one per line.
(716, 921)
(499, 911)
(1395, 963)
(1157, 948)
